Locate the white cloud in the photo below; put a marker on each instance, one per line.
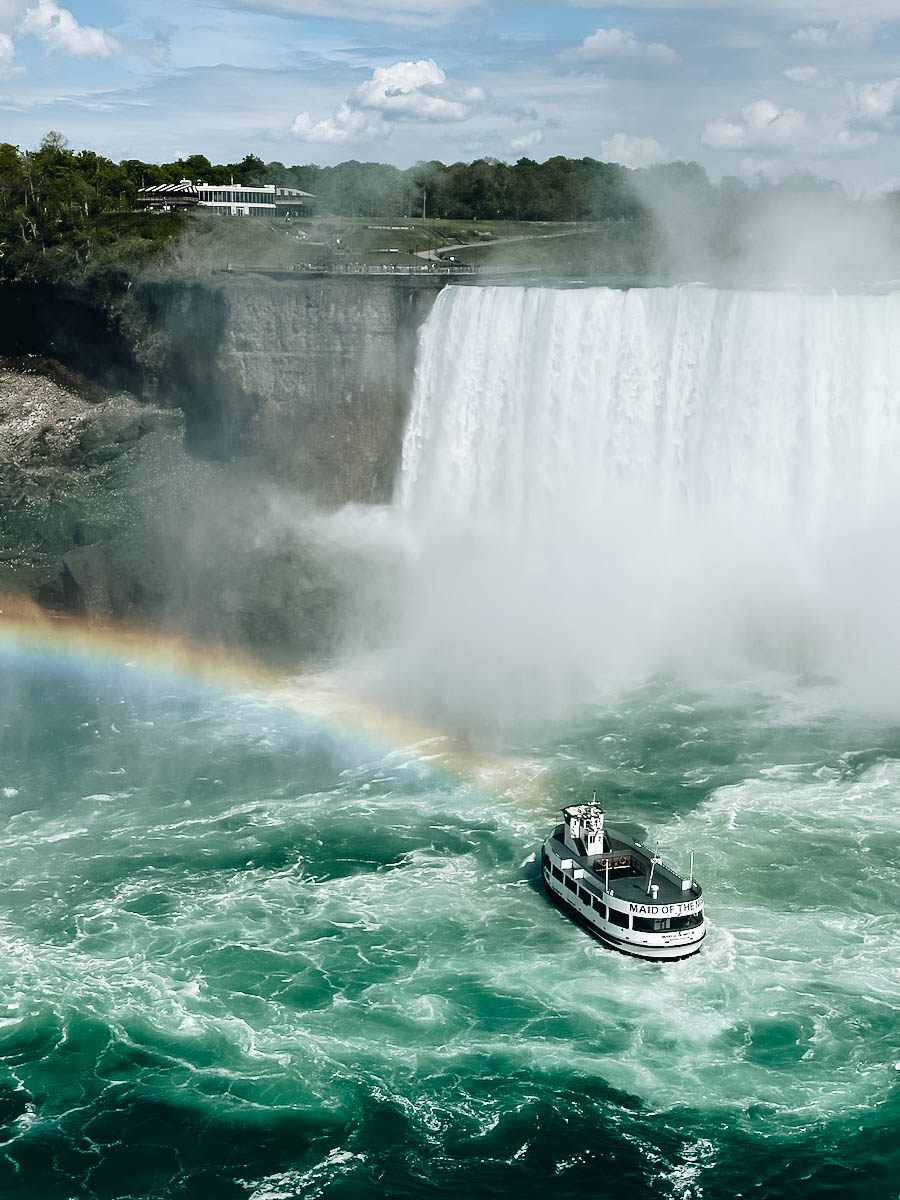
(808, 76)
(10, 14)
(852, 31)
(763, 126)
(347, 125)
(58, 30)
(766, 128)
(849, 141)
(813, 12)
(7, 56)
(873, 103)
(411, 91)
(631, 151)
(622, 43)
(396, 12)
(527, 141)
(813, 35)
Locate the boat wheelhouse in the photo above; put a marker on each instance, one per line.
(620, 890)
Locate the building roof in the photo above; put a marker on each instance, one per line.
(294, 192)
(184, 188)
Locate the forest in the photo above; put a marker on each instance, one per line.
(62, 210)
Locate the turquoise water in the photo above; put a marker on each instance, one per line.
(245, 955)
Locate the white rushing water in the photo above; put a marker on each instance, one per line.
(781, 403)
(617, 482)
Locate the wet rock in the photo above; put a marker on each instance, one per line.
(68, 469)
(91, 585)
(104, 514)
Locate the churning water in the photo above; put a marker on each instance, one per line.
(248, 954)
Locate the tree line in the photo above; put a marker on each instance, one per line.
(56, 188)
(57, 203)
(59, 206)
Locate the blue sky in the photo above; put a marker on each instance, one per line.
(742, 86)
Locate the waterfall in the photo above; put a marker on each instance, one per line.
(688, 398)
(599, 484)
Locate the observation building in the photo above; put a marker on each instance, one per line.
(237, 200)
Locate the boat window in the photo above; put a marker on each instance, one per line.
(571, 884)
(618, 918)
(584, 896)
(691, 921)
(557, 873)
(599, 905)
(658, 924)
(649, 924)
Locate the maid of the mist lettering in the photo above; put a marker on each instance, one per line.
(665, 910)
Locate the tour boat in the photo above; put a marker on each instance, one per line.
(621, 891)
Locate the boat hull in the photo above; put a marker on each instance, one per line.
(672, 953)
(621, 893)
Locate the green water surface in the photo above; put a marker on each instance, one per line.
(246, 956)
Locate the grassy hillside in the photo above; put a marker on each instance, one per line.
(112, 247)
(613, 248)
(210, 241)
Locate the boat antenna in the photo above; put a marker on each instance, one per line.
(692, 869)
(653, 862)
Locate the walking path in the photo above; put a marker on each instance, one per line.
(438, 255)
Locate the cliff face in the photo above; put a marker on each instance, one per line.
(296, 387)
(307, 379)
(332, 362)
(74, 466)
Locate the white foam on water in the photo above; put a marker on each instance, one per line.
(447, 961)
(311, 1183)
(792, 1005)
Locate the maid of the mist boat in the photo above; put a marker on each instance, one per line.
(621, 891)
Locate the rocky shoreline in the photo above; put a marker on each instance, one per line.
(167, 452)
(68, 452)
(104, 514)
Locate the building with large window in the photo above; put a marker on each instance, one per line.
(235, 199)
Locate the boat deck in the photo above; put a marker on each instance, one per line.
(634, 889)
(629, 882)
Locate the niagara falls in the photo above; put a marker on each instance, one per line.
(637, 548)
(449, 592)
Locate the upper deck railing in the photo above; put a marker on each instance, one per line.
(388, 269)
(434, 273)
(625, 863)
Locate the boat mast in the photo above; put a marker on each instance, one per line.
(653, 863)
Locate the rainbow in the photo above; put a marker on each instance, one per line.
(321, 697)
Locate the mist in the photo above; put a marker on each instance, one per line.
(800, 231)
(601, 486)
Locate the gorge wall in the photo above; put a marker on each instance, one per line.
(293, 395)
(307, 378)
